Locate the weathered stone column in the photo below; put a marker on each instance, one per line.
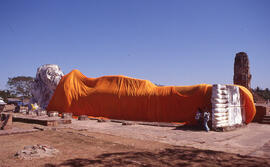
(242, 74)
(5, 121)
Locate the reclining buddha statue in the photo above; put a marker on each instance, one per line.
(125, 98)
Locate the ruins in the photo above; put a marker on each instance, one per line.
(242, 77)
(36, 151)
(242, 74)
(60, 135)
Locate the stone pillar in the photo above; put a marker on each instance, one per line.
(5, 121)
(242, 74)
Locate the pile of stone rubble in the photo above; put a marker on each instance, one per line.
(36, 151)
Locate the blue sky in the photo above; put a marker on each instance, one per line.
(169, 42)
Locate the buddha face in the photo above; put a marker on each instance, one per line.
(50, 75)
(47, 78)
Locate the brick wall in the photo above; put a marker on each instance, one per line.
(261, 111)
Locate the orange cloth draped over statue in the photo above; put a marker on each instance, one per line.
(120, 97)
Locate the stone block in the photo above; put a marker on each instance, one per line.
(2, 108)
(53, 114)
(6, 121)
(33, 113)
(41, 112)
(23, 109)
(83, 117)
(9, 107)
(260, 113)
(66, 115)
(102, 120)
(128, 123)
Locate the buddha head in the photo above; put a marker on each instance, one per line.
(47, 78)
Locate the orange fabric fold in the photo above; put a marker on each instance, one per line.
(120, 97)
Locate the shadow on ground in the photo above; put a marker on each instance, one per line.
(179, 156)
(189, 128)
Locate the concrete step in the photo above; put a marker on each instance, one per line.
(266, 119)
(263, 122)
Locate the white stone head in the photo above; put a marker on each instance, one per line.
(47, 78)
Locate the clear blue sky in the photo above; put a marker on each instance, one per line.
(170, 42)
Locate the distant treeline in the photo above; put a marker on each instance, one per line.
(6, 94)
(17, 87)
(264, 93)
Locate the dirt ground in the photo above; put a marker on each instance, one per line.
(84, 148)
(251, 140)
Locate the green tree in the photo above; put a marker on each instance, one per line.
(20, 86)
(5, 94)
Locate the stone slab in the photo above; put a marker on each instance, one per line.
(41, 120)
(16, 131)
